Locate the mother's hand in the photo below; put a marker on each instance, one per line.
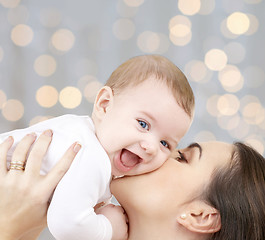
(25, 193)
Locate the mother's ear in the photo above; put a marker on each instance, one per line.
(103, 101)
(201, 218)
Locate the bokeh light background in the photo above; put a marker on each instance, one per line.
(55, 55)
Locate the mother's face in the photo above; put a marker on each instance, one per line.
(178, 181)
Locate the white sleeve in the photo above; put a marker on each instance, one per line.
(64, 138)
(18, 134)
(71, 213)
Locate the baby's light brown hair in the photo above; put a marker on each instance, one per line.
(137, 69)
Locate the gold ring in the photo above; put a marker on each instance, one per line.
(18, 165)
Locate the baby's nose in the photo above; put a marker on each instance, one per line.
(149, 148)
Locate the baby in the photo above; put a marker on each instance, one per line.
(139, 117)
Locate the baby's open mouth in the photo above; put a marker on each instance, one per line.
(129, 159)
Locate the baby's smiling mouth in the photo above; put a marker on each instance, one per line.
(129, 159)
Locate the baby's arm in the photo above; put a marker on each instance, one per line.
(71, 214)
(118, 219)
(25, 194)
(18, 134)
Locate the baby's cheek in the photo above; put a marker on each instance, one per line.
(163, 159)
(167, 155)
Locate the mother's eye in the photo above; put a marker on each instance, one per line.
(181, 157)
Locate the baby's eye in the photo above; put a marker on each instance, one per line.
(164, 143)
(143, 124)
(181, 157)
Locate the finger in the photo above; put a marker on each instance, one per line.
(38, 151)
(4, 147)
(20, 154)
(58, 171)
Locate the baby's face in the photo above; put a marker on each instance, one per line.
(141, 128)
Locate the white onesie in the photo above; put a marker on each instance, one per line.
(71, 214)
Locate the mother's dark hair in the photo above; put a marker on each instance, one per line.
(238, 193)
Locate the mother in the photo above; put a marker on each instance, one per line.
(210, 190)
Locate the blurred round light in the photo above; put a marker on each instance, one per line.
(248, 99)
(211, 105)
(9, 3)
(245, 108)
(197, 71)
(179, 19)
(228, 104)
(13, 110)
(190, 69)
(254, 25)
(148, 41)
(123, 29)
(231, 78)
(215, 59)
(189, 7)
(45, 65)
(70, 97)
(91, 90)
(226, 32)
(47, 96)
(134, 3)
(180, 41)
(84, 80)
(228, 122)
(207, 7)
(2, 98)
(240, 131)
(63, 40)
(125, 10)
(38, 119)
(253, 113)
(256, 143)
(180, 30)
(22, 35)
(238, 23)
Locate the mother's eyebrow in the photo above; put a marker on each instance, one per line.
(197, 145)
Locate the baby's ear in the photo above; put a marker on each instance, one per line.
(103, 101)
(200, 218)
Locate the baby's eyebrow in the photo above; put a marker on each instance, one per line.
(149, 115)
(197, 145)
